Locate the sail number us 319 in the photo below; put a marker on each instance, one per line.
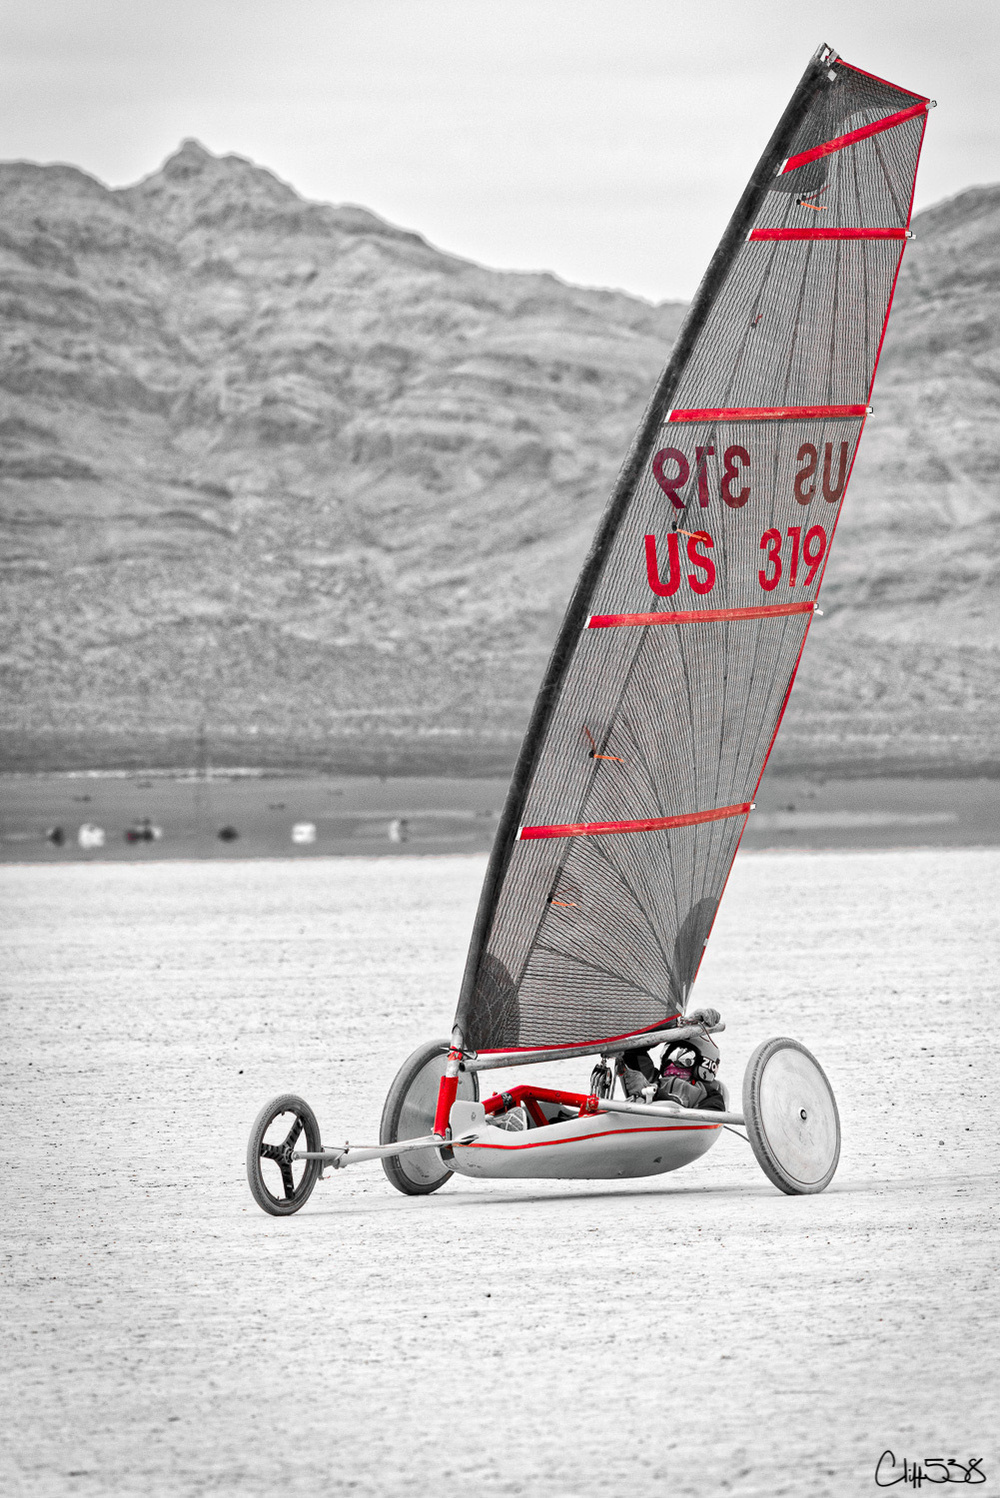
(791, 556)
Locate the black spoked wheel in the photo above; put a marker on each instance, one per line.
(791, 1117)
(281, 1184)
(409, 1112)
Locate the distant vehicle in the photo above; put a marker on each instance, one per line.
(143, 832)
(90, 836)
(661, 703)
(304, 832)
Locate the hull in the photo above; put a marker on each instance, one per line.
(598, 1147)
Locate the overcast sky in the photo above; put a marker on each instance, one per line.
(605, 140)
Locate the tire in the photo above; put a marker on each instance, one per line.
(409, 1111)
(293, 1180)
(791, 1117)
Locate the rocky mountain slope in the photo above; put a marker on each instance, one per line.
(282, 480)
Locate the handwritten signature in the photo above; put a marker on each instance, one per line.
(887, 1474)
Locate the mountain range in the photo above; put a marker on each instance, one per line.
(283, 484)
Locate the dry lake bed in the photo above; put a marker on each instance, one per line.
(692, 1335)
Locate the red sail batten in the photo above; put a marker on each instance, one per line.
(840, 141)
(756, 235)
(766, 413)
(648, 824)
(700, 616)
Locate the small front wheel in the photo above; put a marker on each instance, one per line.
(280, 1184)
(791, 1117)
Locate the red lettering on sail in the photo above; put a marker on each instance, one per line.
(669, 485)
(661, 589)
(813, 552)
(701, 561)
(832, 492)
(731, 475)
(770, 542)
(803, 493)
(794, 535)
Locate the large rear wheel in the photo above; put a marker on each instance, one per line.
(409, 1112)
(279, 1183)
(791, 1117)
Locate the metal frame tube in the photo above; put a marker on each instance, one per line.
(668, 1110)
(495, 1059)
(341, 1155)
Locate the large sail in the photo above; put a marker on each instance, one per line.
(680, 645)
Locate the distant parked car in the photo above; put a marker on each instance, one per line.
(143, 831)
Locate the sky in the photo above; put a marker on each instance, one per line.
(604, 140)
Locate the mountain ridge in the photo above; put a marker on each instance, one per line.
(282, 477)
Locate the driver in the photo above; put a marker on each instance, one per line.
(687, 1071)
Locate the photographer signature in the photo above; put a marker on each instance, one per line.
(887, 1474)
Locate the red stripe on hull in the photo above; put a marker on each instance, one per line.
(759, 234)
(648, 824)
(544, 1144)
(699, 616)
(764, 413)
(840, 141)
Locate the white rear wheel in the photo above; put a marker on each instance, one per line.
(791, 1117)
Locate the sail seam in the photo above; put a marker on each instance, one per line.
(840, 141)
(646, 824)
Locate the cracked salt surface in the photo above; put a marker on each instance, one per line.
(693, 1334)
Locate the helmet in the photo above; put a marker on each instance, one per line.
(703, 1051)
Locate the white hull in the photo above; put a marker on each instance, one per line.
(597, 1146)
